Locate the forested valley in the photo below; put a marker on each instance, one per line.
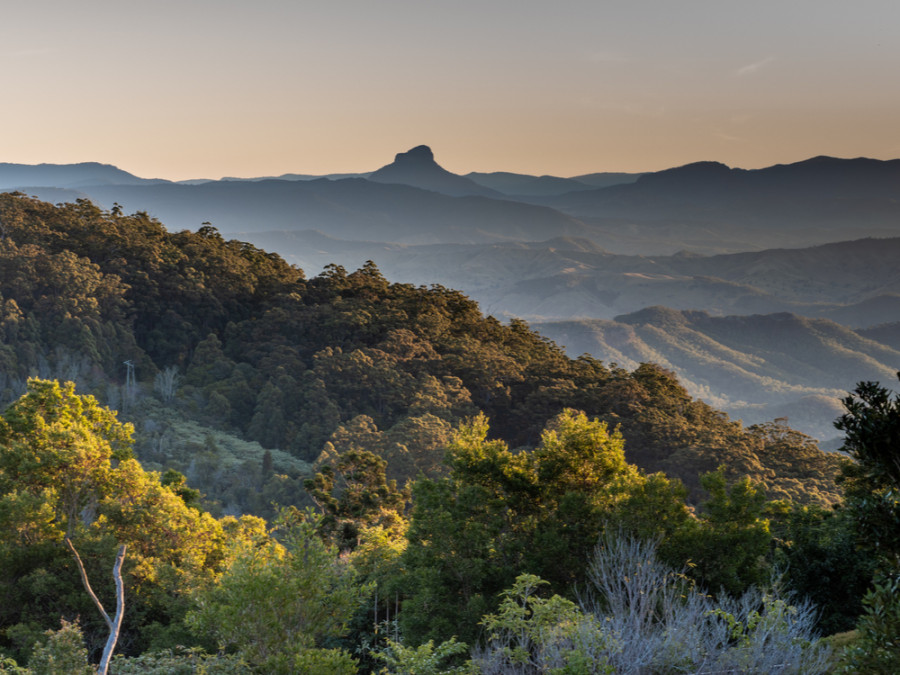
(341, 474)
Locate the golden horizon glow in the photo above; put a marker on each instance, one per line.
(207, 88)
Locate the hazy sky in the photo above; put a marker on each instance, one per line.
(206, 88)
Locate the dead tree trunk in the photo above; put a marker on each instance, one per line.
(114, 623)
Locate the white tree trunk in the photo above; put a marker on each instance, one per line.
(114, 623)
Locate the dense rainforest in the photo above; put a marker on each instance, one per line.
(343, 474)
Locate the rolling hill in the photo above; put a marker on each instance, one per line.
(754, 367)
(855, 283)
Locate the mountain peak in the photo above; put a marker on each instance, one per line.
(417, 168)
(419, 154)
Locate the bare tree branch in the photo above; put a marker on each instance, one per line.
(87, 584)
(115, 623)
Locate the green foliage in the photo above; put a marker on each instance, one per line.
(822, 561)
(728, 545)
(230, 472)
(278, 599)
(9, 666)
(310, 662)
(378, 562)
(426, 659)
(177, 483)
(60, 313)
(66, 470)
(179, 661)
(542, 635)
(413, 446)
(500, 514)
(354, 493)
(872, 485)
(871, 429)
(877, 650)
(62, 653)
(59, 446)
(794, 467)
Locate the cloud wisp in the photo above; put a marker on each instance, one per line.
(755, 67)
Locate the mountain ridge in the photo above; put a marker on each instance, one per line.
(856, 282)
(754, 367)
(81, 174)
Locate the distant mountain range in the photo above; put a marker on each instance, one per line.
(753, 367)
(440, 207)
(350, 209)
(71, 176)
(704, 207)
(518, 185)
(723, 248)
(811, 202)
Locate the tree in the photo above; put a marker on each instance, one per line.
(353, 493)
(871, 429)
(426, 659)
(60, 447)
(872, 487)
(818, 551)
(728, 544)
(113, 623)
(61, 652)
(876, 651)
(531, 634)
(501, 513)
(67, 475)
(280, 599)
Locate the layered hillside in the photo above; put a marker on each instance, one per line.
(756, 367)
(704, 207)
(232, 337)
(815, 201)
(856, 283)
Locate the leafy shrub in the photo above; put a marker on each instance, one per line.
(9, 666)
(310, 662)
(63, 653)
(179, 661)
(426, 659)
(531, 634)
(877, 650)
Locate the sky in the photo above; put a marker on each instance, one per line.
(210, 88)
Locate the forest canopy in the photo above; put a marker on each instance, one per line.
(431, 464)
(305, 366)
